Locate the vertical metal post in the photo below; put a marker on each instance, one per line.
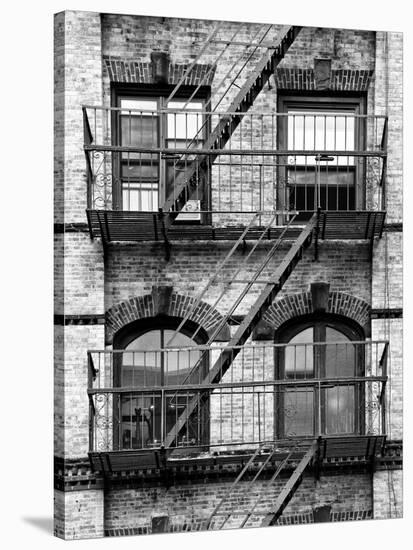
(91, 422)
(319, 409)
(317, 182)
(261, 196)
(383, 404)
(162, 418)
(319, 158)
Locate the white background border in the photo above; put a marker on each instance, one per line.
(27, 267)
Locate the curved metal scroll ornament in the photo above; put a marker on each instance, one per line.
(103, 422)
(102, 181)
(372, 414)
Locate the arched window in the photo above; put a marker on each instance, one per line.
(322, 356)
(142, 418)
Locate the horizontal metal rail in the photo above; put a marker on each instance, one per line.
(256, 345)
(309, 382)
(236, 152)
(135, 168)
(238, 113)
(233, 416)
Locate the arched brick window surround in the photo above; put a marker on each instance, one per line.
(162, 301)
(140, 72)
(296, 305)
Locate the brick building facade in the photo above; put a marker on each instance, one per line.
(123, 270)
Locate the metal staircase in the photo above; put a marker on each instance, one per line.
(187, 182)
(250, 321)
(283, 457)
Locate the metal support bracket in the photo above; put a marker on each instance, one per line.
(371, 246)
(316, 234)
(165, 236)
(104, 242)
(317, 460)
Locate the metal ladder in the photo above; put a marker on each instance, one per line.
(250, 321)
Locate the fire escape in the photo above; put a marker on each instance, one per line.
(168, 423)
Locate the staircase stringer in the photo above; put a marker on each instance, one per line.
(223, 322)
(248, 487)
(186, 183)
(250, 321)
(275, 475)
(212, 279)
(233, 485)
(290, 487)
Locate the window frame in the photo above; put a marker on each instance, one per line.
(319, 101)
(158, 93)
(319, 322)
(137, 328)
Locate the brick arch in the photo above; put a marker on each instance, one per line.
(163, 300)
(295, 305)
(140, 72)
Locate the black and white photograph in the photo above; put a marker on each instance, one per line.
(206, 274)
(228, 274)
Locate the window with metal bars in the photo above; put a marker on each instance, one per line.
(319, 171)
(157, 138)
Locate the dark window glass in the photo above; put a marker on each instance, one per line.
(330, 408)
(138, 420)
(147, 179)
(320, 124)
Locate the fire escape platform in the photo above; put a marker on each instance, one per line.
(350, 448)
(127, 226)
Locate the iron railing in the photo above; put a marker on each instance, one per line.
(271, 391)
(272, 160)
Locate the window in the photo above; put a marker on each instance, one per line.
(145, 179)
(319, 349)
(138, 421)
(333, 182)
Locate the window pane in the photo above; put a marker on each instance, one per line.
(327, 177)
(298, 412)
(324, 130)
(140, 422)
(340, 409)
(340, 358)
(185, 126)
(142, 368)
(140, 170)
(178, 364)
(299, 361)
(133, 103)
(140, 197)
(139, 130)
(146, 365)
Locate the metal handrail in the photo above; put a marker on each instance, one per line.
(178, 389)
(227, 114)
(245, 346)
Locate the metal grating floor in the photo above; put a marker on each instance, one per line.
(125, 226)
